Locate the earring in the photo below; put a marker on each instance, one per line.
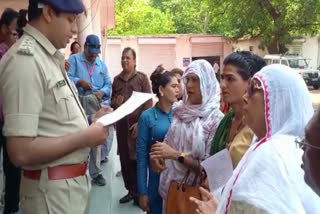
(161, 94)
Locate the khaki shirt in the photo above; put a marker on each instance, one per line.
(37, 95)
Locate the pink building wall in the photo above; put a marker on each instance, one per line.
(170, 50)
(15, 4)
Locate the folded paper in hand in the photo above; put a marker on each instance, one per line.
(219, 169)
(136, 100)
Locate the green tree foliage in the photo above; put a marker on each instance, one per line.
(277, 22)
(190, 16)
(138, 17)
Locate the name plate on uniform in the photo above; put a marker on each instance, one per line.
(61, 83)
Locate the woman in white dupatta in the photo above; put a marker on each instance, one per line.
(194, 124)
(269, 178)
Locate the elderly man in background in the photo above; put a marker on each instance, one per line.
(91, 76)
(124, 84)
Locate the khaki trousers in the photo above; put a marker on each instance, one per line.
(54, 196)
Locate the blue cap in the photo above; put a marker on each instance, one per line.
(67, 6)
(93, 43)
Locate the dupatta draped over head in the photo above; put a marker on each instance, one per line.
(193, 126)
(269, 177)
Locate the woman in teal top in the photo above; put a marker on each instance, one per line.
(152, 127)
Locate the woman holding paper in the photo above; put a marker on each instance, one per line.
(232, 133)
(269, 178)
(153, 126)
(195, 120)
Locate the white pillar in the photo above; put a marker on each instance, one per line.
(95, 16)
(85, 23)
(96, 24)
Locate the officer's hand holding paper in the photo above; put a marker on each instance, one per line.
(134, 102)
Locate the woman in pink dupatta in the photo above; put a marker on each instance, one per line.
(195, 121)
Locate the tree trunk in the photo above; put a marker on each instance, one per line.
(276, 47)
(273, 47)
(282, 48)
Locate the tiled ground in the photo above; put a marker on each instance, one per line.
(106, 199)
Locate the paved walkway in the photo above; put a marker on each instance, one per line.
(105, 200)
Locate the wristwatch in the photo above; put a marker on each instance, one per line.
(181, 157)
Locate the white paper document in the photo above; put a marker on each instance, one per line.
(136, 100)
(219, 169)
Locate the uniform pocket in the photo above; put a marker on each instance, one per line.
(65, 103)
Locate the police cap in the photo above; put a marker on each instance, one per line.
(67, 6)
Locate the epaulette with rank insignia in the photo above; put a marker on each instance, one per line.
(27, 47)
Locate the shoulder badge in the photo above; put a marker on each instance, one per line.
(27, 46)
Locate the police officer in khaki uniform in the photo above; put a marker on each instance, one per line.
(46, 128)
